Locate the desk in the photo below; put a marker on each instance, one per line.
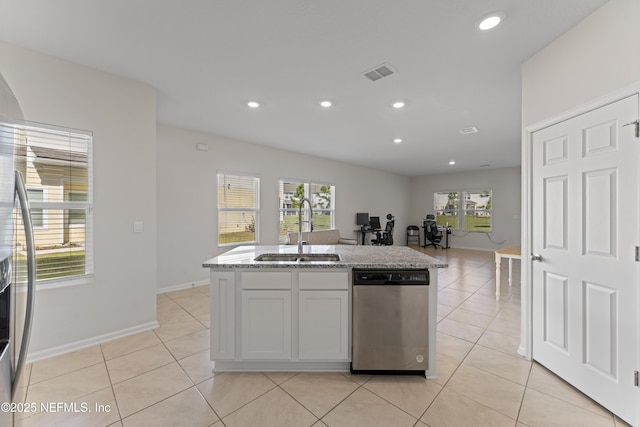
(446, 230)
(511, 252)
(364, 234)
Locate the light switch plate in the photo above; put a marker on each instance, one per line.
(138, 227)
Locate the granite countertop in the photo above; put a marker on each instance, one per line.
(384, 257)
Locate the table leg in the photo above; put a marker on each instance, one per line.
(510, 267)
(498, 259)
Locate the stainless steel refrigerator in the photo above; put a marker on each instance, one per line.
(16, 293)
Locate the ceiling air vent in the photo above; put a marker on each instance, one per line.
(379, 72)
(467, 131)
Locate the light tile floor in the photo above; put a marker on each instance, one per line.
(164, 377)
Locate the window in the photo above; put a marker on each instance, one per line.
(36, 195)
(238, 209)
(446, 206)
(322, 198)
(57, 168)
(76, 217)
(477, 210)
(474, 213)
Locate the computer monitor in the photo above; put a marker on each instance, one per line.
(374, 223)
(362, 219)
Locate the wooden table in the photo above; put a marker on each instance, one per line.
(510, 252)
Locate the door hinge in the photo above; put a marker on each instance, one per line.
(637, 253)
(636, 124)
(636, 379)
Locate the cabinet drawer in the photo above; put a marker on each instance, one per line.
(334, 280)
(266, 280)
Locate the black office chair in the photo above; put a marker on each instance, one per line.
(386, 237)
(432, 234)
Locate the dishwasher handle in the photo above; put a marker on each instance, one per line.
(393, 283)
(405, 283)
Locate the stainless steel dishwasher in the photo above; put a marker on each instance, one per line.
(390, 321)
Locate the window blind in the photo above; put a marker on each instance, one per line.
(56, 164)
(238, 209)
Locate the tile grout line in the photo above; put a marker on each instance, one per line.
(113, 392)
(252, 400)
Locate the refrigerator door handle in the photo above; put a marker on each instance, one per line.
(21, 192)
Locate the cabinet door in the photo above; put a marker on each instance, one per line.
(223, 315)
(324, 325)
(266, 325)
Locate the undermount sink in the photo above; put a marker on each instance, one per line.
(297, 257)
(319, 257)
(277, 257)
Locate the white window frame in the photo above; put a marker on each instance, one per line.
(307, 184)
(34, 205)
(71, 203)
(488, 212)
(255, 211)
(77, 279)
(460, 219)
(455, 219)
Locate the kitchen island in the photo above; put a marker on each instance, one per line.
(295, 315)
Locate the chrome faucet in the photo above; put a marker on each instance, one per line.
(300, 221)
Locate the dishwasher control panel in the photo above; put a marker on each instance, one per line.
(391, 277)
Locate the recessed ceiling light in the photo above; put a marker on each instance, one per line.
(325, 104)
(398, 104)
(398, 140)
(490, 21)
(253, 104)
(452, 162)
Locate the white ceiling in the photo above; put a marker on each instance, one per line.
(207, 58)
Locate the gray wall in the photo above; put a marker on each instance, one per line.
(505, 184)
(599, 55)
(121, 114)
(187, 210)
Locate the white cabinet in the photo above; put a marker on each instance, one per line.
(266, 315)
(266, 325)
(277, 319)
(323, 315)
(223, 315)
(323, 325)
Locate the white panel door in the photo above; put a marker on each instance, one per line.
(585, 227)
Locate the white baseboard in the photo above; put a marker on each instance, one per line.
(474, 248)
(181, 286)
(522, 351)
(77, 345)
